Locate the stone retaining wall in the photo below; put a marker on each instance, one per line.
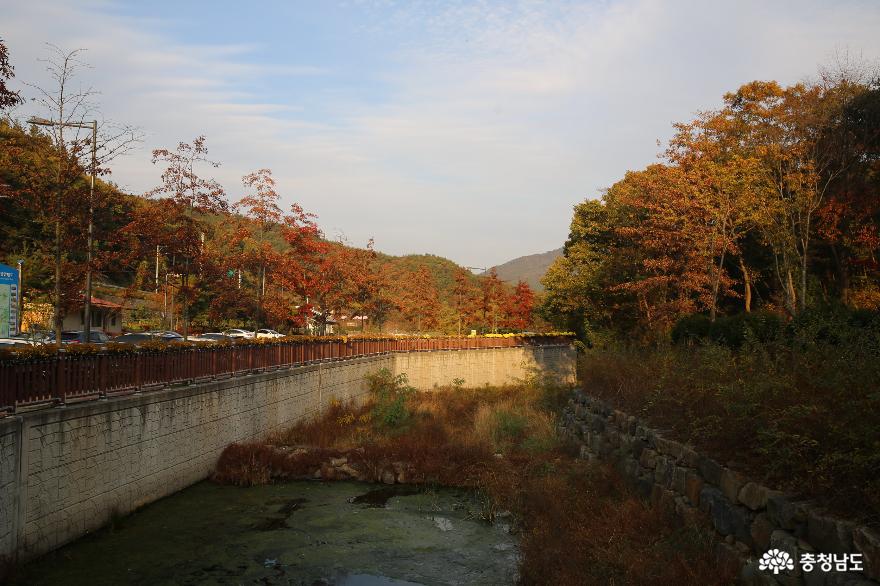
(64, 471)
(749, 518)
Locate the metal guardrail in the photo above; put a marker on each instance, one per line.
(65, 378)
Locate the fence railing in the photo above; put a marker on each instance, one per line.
(68, 377)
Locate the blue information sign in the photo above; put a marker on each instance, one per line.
(8, 301)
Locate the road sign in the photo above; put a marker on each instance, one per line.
(8, 301)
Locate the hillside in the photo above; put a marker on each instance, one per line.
(528, 268)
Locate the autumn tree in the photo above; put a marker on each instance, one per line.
(493, 296)
(182, 195)
(787, 129)
(261, 206)
(420, 302)
(8, 98)
(466, 300)
(73, 151)
(519, 307)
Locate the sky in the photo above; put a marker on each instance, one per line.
(463, 129)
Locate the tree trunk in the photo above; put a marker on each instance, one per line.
(716, 285)
(747, 286)
(185, 299)
(791, 295)
(842, 270)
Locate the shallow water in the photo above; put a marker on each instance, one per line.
(293, 533)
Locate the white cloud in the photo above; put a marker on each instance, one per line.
(500, 116)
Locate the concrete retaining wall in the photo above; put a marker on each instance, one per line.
(66, 470)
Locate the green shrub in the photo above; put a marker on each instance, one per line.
(390, 394)
(732, 331)
(508, 428)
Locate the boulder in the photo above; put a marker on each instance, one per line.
(761, 530)
(753, 495)
(829, 534)
(786, 513)
(727, 518)
(867, 542)
(710, 470)
(693, 484)
(731, 483)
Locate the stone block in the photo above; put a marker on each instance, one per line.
(663, 471)
(679, 480)
(689, 457)
(693, 485)
(761, 530)
(867, 542)
(787, 513)
(648, 458)
(631, 424)
(710, 470)
(753, 495)
(828, 534)
(668, 447)
(637, 446)
(731, 483)
(644, 486)
(727, 518)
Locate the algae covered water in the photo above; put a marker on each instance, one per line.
(312, 533)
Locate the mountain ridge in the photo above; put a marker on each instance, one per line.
(530, 268)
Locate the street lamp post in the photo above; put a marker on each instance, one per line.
(87, 302)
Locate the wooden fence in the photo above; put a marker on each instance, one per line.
(67, 377)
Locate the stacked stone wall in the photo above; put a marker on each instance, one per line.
(749, 518)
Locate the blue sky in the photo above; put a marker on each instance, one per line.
(465, 129)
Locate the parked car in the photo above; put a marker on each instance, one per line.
(79, 337)
(14, 341)
(212, 337)
(141, 337)
(167, 336)
(266, 333)
(238, 333)
(134, 338)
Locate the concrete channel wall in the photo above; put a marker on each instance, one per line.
(65, 471)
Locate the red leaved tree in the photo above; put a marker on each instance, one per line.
(519, 308)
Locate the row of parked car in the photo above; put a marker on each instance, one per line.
(99, 337)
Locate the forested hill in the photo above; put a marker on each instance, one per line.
(528, 268)
(233, 258)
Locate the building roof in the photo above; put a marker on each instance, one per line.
(104, 303)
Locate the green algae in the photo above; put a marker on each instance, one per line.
(293, 533)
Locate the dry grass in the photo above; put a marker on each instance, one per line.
(580, 524)
(802, 418)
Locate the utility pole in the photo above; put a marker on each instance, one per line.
(87, 301)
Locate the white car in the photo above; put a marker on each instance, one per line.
(12, 342)
(211, 337)
(238, 333)
(266, 333)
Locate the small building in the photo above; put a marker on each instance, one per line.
(105, 316)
